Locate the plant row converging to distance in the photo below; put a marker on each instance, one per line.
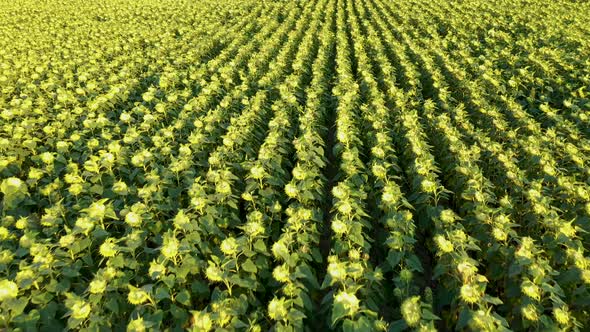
(356, 165)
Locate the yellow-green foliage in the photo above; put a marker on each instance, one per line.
(356, 165)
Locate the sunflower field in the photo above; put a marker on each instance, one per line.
(317, 165)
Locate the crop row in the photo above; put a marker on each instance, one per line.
(357, 165)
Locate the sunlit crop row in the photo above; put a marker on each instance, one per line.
(355, 165)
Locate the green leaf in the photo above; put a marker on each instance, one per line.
(492, 300)
(110, 213)
(394, 257)
(179, 313)
(428, 315)
(184, 297)
(260, 246)
(156, 318)
(63, 286)
(27, 322)
(317, 255)
(42, 298)
(414, 263)
(309, 276)
(169, 280)
(80, 245)
(348, 326)
(464, 318)
(161, 293)
(295, 315)
(438, 271)
(398, 326)
(96, 189)
(246, 282)
(327, 281)
(249, 266)
(113, 305)
(200, 288)
(363, 325)
(71, 271)
(292, 260)
(238, 324)
(568, 277)
(17, 306)
(338, 311)
(307, 302)
(48, 320)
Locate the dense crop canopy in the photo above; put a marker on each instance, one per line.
(346, 165)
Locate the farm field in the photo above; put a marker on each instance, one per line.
(320, 165)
